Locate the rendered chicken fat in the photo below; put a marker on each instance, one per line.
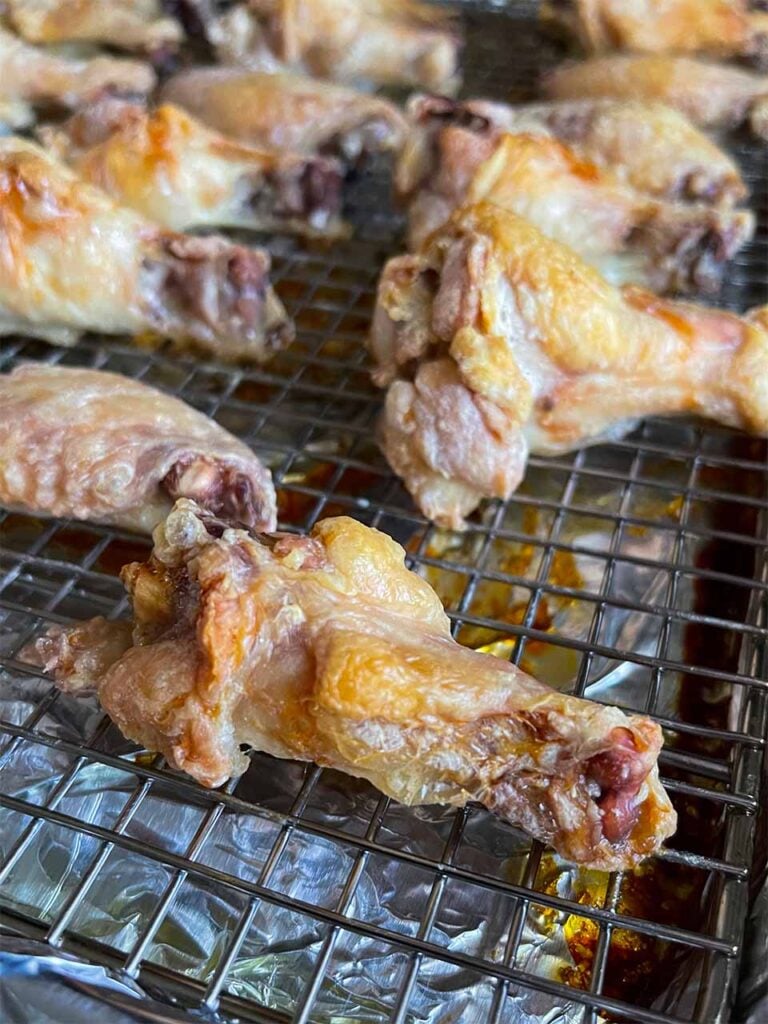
(327, 648)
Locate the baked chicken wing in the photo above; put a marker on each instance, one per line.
(171, 168)
(711, 95)
(92, 445)
(629, 237)
(723, 28)
(384, 42)
(284, 111)
(495, 341)
(30, 76)
(326, 648)
(649, 146)
(72, 260)
(124, 24)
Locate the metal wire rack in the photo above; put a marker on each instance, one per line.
(635, 573)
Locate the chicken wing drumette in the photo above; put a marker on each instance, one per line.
(124, 24)
(326, 648)
(722, 28)
(31, 76)
(711, 95)
(495, 341)
(647, 145)
(286, 111)
(181, 174)
(72, 260)
(629, 237)
(97, 446)
(384, 42)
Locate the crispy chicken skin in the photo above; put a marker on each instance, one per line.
(326, 648)
(30, 76)
(649, 146)
(711, 95)
(93, 445)
(124, 24)
(286, 111)
(495, 341)
(181, 174)
(72, 260)
(383, 42)
(628, 236)
(722, 28)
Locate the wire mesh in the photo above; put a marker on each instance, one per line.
(543, 578)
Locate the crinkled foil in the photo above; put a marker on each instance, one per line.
(48, 989)
(365, 975)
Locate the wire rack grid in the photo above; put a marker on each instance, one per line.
(634, 573)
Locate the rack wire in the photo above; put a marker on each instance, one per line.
(679, 506)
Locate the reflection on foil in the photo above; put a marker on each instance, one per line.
(72, 991)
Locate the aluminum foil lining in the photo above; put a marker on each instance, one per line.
(49, 989)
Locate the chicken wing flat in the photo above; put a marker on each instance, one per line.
(124, 24)
(722, 28)
(711, 95)
(96, 446)
(381, 42)
(495, 341)
(649, 146)
(326, 648)
(629, 237)
(30, 76)
(180, 174)
(72, 260)
(285, 111)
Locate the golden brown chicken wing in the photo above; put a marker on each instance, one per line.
(30, 76)
(384, 42)
(72, 260)
(495, 340)
(283, 111)
(626, 235)
(124, 24)
(711, 95)
(724, 28)
(92, 445)
(649, 146)
(325, 648)
(171, 168)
